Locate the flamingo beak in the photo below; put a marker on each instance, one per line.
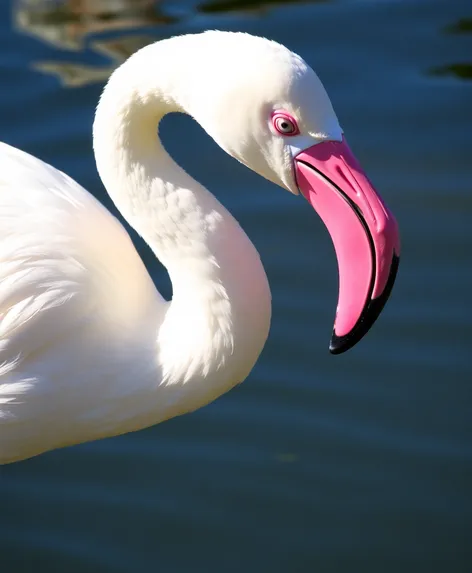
(364, 232)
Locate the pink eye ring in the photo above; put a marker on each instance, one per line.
(284, 123)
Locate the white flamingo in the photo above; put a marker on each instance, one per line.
(88, 347)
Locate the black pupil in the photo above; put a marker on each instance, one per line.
(285, 125)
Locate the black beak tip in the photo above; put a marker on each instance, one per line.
(371, 312)
(339, 344)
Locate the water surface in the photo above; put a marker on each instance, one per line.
(317, 463)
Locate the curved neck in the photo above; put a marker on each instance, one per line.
(220, 311)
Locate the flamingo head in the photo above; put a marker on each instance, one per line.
(268, 109)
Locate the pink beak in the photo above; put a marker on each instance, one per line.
(364, 232)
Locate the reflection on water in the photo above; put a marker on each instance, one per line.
(76, 75)
(462, 26)
(67, 24)
(246, 5)
(462, 71)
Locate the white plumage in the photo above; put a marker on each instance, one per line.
(88, 347)
(71, 285)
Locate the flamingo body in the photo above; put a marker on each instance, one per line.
(88, 347)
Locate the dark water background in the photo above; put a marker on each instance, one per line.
(317, 463)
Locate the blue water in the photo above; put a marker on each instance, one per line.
(317, 463)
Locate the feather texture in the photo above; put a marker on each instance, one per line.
(88, 347)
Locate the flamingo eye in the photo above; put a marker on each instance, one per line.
(284, 124)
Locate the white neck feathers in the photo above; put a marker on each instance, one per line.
(216, 325)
